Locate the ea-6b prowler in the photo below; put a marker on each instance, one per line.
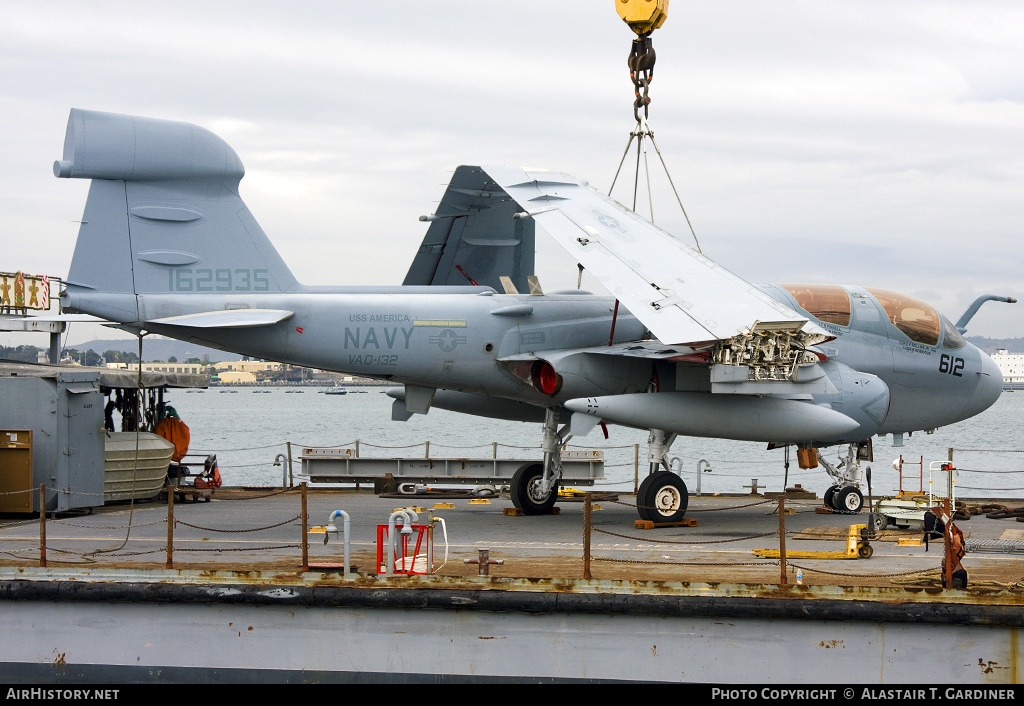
(682, 347)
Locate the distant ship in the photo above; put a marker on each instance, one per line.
(1011, 365)
(336, 391)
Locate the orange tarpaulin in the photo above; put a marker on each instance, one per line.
(176, 432)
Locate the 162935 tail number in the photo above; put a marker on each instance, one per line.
(224, 280)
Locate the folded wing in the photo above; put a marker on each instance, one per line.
(679, 294)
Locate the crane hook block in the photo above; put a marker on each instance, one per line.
(642, 16)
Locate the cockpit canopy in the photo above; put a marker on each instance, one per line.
(825, 302)
(919, 321)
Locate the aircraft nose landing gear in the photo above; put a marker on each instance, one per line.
(845, 496)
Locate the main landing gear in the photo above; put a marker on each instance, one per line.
(534, 486)
(662, 496)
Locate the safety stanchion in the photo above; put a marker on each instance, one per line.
(782, 539)
(305, 540)
(169, 563)
(42, 525)
(587, 507)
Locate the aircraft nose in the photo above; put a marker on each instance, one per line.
(990, 386)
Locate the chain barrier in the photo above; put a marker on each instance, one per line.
(691, 542)
(247, 448)
(710, 509)
(283, 491)
(134, 525)
(378, 446)
(334, 446)
(684, 563)
(972, 487)
(976, 470)
(242, 549)
(867, 576)
(237, 531)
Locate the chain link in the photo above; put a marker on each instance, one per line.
(868, 576)
(684, 563)
(237, 531)
(641, 72)
(691, 542)
(710, 509)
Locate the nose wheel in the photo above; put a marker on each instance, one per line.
(846, 500)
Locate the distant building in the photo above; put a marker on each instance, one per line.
(247, 366)
(1011, 365)
(236, 378)
(191, 368)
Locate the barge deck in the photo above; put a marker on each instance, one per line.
(687, 604)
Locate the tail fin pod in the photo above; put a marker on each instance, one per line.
(163, 214)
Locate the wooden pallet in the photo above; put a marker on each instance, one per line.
(517, 512)
(647, 524)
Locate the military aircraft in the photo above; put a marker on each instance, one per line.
(680, 347)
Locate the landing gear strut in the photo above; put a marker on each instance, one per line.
(845, 496)
(534, 487)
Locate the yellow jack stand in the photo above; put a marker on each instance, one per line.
(856, 548)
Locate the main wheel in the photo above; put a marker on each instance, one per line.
(849, 499)
(528, 493)
(662, 498)
(644, 483)
(829, 497)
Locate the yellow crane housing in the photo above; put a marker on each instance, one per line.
(642, 16)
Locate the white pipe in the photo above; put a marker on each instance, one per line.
(345, 531)
(444, 527)
(406, 529)
(280, 460)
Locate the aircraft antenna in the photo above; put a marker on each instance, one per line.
(643, 17)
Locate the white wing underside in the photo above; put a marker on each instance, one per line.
(680, 295)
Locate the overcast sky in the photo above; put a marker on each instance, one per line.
(870, 143)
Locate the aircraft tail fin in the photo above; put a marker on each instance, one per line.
(163, 216)
(473, 239)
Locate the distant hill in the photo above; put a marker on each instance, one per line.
(991, 345)
(157, 348)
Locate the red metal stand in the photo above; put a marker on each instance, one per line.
(406, 561)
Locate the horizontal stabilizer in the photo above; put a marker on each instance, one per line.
(55, 318)
(233, 318)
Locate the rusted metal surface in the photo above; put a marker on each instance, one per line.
(906, 600)
(484, 562)
(697, 630)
